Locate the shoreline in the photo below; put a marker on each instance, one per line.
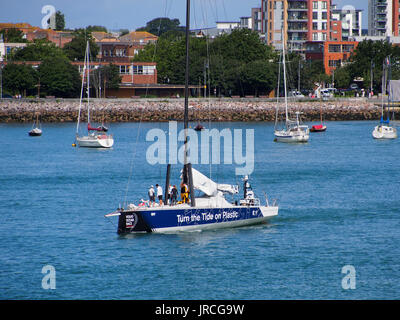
(161, 110)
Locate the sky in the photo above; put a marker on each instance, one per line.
(132, 14)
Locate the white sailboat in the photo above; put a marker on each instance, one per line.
(292, 131)
(36, 128)
(96, 137)
(383, 130)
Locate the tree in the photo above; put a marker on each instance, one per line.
(159, 26)
(37, 51)
(373, 53)
(60, 21)
(105, 75)
(228, 58)
(75, 49)
(90, 29)
(342, 77)
(13, 35)
(59, 78)
(257, 77)
(18, 78)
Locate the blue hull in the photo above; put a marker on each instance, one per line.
(175, 220)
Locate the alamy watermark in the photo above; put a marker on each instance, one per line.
(49, 279)
(235, 151)
(49, 20)
(349, 280)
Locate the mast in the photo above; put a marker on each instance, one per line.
(284, 77)
(389, 96)
(88, 82)
(80, 100)
(187, 170)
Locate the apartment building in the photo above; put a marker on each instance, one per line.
(351, 21)
(332, 53)
(383, 17)
(300, 20)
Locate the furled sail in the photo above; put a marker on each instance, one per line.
(394, 90)
(209, 187)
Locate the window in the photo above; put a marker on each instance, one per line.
(315, 4)
(323, 36)
(123, 69)
(323, 26)
(348, 47)
(324, 15)
(332, 63)
(315, 15)
(323, 4)
(315, 36)
(334, 48)
(315, 26)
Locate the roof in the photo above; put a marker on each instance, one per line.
(138, 35)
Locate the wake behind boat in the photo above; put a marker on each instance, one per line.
(97, 137)
(210, 210)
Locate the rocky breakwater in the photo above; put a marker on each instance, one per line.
(124, 110)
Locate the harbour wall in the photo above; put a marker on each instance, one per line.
(154, 110)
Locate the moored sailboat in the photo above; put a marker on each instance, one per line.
(292, 131)
(318, 127)
(209, 211)
(36, 128)
(383, 130)
(97, 137)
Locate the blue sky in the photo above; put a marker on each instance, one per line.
(132, 14)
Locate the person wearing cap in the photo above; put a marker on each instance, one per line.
(152, 196)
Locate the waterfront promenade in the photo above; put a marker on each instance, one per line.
(225, 109)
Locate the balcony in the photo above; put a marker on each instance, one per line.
(297, 17)
(297, 6)
(297, 39)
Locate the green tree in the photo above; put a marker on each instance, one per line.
(59, 78)
(342, 77)
(373, 53)
(105, 75)
(18, 78)
(257, 77)
(37, 51)
(90, 29)
(13, 35)
(159, 26)
(226, 57)
(60, 21)
(75, 49)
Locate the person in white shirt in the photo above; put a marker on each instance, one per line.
(159, 194)
(152, 196)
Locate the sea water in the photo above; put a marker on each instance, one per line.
(339, 210)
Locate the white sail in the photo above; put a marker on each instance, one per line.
(209, 187)
(394, 90)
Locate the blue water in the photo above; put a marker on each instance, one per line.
(339, 205)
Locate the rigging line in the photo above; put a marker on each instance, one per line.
(155, 47)
(207, 75)
(132, 164)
